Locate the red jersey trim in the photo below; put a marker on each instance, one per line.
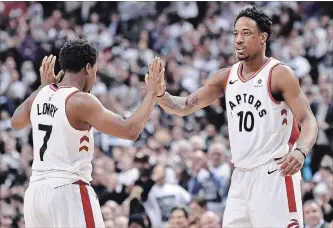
(269, 84)
(240, 68)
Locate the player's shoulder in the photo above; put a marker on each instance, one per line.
(282, 73)
(224, 71)
(283, 76)
(81, 99)
(223, 76)
(283, 69)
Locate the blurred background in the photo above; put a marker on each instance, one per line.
(177, 173)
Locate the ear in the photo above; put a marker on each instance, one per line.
(88, 68)
(263, 37)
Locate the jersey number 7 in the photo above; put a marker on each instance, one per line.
(48, 129)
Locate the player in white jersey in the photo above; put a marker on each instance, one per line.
(262, 98)
(61, 116)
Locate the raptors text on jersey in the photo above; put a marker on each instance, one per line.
(259, 126)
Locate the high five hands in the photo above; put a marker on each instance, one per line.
(155, 77)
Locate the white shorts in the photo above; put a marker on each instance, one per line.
(71, 205)
(263, 198)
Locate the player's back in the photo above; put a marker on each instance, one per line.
(60, 151)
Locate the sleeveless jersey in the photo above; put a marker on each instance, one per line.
(260, 128)
(60, 151)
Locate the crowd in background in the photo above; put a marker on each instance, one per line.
(177, 174)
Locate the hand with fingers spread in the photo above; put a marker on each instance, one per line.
(47, 71)
(291, 163)
(156, 73)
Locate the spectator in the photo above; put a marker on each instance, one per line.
(114, 191)
(323, 196)
(194, 223)
(210, 220)
(178, 218)
(163, 197)
(198, 207)
(139, 221)
(298, 63)
(205, 183)
(313, 216)
(121, 222)
(323, 111)
(220, 165)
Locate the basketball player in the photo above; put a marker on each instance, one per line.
(262, 98)
(62, 115)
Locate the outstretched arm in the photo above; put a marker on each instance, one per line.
(285, 82)
(204, 96)
(87, 108)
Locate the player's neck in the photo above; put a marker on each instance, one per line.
(74, 80)
(254, 64)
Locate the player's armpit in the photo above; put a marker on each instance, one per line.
(202, 97)
(88, 109)
(21, 116)
(285, 81)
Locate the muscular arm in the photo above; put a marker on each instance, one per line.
(204, 96)
(87, 108)
(285, 82)
(21, 116)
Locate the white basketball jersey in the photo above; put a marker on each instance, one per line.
(60, 151)
(259, 127)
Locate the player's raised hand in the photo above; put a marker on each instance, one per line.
(162, 85)
(156, 72)
(291, 163)
(46, 71)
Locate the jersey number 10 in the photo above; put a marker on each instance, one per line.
(48, 130)
(243, 120)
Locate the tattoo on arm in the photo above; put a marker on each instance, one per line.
(191, 102)
(179, 105)
(168, 102)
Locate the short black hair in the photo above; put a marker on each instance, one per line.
(180, 208)
(76, 54)
(264, 22)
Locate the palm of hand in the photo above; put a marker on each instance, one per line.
(156, 76)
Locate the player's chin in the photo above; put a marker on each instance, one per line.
(242, 57)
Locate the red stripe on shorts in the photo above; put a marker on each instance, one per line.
(88, 214)
(290, 194)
